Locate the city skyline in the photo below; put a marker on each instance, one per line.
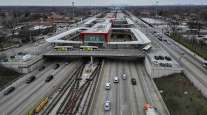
(99, 2)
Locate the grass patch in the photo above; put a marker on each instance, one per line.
(174, 88)
(199, 51)
(7, 76)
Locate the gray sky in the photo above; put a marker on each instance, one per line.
(100, 2)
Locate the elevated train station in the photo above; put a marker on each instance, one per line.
(101, 37)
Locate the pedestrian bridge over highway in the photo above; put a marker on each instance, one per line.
(98, 53)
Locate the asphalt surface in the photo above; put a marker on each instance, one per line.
(191, 64)
(126, 99)
(27, 95)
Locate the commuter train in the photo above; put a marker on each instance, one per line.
(63, 48)
(150, 110)
(88, 48)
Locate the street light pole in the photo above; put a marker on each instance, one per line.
(73, 5)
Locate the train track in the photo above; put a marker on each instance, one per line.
(64, 88)
(76, 94)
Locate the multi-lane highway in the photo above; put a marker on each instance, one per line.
(192, 64)
(126, 99)
(27, 95)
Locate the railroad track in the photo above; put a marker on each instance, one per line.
(74, 98)
(64, 88)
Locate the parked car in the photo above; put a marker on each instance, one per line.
(168, 58)
(49, 78)
(107, 105)
(9, 90)
(116, 79)
(134, 82)
(30, 79)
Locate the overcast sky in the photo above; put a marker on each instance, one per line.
(100, 2)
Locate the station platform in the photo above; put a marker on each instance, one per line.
(98, 53)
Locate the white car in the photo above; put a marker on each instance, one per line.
(107, 105)
(108, 86)
(124, 76)
(116, 79)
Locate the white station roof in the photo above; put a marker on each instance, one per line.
(102, 27)
(129, 21)
(90, 21)
(141, 37)
(61, 35)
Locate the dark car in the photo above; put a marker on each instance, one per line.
(30, 79)
(161, 57)
(134, 82)
(49, 78)
(41, 68)
(9, 90)
(168, 58)
(57, 66)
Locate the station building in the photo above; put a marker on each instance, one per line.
(98, 35)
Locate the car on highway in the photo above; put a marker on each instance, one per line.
(30, 79)
(49, 78)
(134, 82)
(57, 66)
(205, 64)
(124, 77)
(116, 79)
(108, 86)
(41, 68)
(107, 105)
(9, 90)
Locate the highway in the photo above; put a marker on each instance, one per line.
(27, 95)
(191, 63)
(126, 99)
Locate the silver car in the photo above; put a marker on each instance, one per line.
(107, 105)
(116, 79)
(124, 77)
(108, 86)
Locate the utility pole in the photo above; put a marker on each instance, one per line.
(156, 3)
(73, 5)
